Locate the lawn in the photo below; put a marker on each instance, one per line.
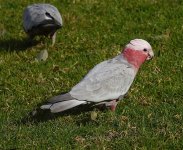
(149, 117)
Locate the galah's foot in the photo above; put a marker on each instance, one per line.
(112, 105)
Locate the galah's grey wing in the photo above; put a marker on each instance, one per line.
(106, 81)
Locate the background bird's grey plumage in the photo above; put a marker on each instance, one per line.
(37, 14)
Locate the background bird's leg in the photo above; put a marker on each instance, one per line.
(112, 105)
(53, 38)
(30, 39)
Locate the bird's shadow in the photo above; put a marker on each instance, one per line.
(38, 115)
(13, 44)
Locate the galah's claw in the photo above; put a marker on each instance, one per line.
(112, 105)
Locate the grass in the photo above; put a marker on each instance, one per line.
(151, 115)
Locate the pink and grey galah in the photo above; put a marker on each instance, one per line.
(107, 82)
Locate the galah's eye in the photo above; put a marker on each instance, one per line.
(145, 50)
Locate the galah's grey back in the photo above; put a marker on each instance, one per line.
(41, 19)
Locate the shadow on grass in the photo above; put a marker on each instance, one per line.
(39, 115)
(14, 44)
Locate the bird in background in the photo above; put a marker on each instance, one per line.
(42, 19)
(107, 82)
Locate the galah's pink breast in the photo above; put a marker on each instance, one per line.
(135, 57)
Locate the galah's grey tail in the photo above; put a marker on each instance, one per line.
(61, 103)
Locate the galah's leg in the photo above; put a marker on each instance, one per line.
(112, 105)
(53, 39)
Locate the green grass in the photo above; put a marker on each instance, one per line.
(150, 117)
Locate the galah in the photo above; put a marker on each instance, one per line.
(107, 82)
(42, 19)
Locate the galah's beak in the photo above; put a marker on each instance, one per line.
(150, 55)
